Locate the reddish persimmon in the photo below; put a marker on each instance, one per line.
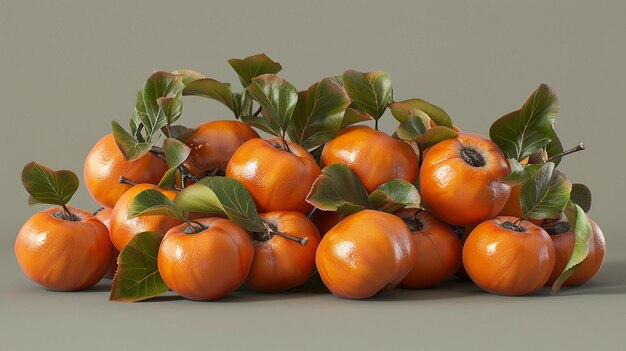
(326, 220)
(281, 263)
(62, 254)
(437, 250)
(105, 165)
(461, 179)
(207, 263)
(123, 229)
(278, 179)
(213, 143)
(374, 156)
(366, 253)
(563, 238)
(507, 258)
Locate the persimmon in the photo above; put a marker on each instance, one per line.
(461, 179)
(462, 233)
(61, 253)
(563, 238)
(507, 256)
(326, 220)
(104, 215)
(284, 255)
(374, 156)
(213, 144)
(123, 229)
(278, 174)
(105, 165)
(208, 262)
(437, 250)
(366, 253)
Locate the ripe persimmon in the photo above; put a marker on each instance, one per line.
(366, 253)
(205, 263)
(63, 254)
(374, 156)
(105, 165)
(437, 250)
(461, 179)
(326, 220)
(278, 179)
(280, 262)
(123, 229)
(563, 238)
(104, 215)
(213, 143)
(506, 257)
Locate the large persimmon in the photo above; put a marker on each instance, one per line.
(63, 254)
(374, 156)
(105, 165)
(205, 263)
(213, 144)
(366, 253)
(278, 174)
(461, 179)
(123, 229)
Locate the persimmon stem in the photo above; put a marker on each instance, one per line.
(376, 124)
(125, 180)
(257, 112)
(285, 145)
(69, 215)
(98, 211)
(272, 231)
(576, 148)
(195, 227)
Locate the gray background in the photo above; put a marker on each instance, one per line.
(68, 68)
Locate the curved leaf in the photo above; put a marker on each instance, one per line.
(395, 195)
(519, 172)
(404, 108)
(187, 76)
(319, 113)
(175, 154)
(581, 196)
(354, 116)
(579, 222)
(159, 84)
(413, 126)
(254, 66)
(545, 194)
(277, 97)
(521, 133)
(47, 186)
(338, 188)
(215, 90)
(152, 202)
(131, 148)
(434, 136)
(137, 277)
(371, 91)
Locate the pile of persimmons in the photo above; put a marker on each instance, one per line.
(327, 201)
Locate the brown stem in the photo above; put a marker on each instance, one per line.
(125, 180)
(272, 231)
(98, 211)
(576, 148)
(69, 215)
(376, 124)
(257, 112)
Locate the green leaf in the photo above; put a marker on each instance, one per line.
(319, 113)
(47, 186)
(371, 91)
(404, 108)
(215, 90)
(137, 277)
(554, 148)
(152, 202)
(395, 195)
(261, 124)
(130, 148)
(579, 222)
(182, 133)
(545, 194)
(338, 188)
(222, 195)
(521, 133)
(253, 66)
(277, 97)
(187, 76)
(354, 116)
(581, 196)
(413, 126)
(171, 106)
(175, 154)
(138, 116)
(519, 172)
(159, 84)
(434, 136)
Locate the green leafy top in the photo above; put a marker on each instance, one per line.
(277, 98)
(254, 66)
(371, 92)
(545, 193)
(48, 186)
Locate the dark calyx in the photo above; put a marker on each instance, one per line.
(472, 157)
(414, 224)
(557, 228)
(512, 226)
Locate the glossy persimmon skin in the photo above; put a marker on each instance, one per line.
(105, 164)
(506, 262)
(278, 180)
(63, 255)
(366, 253)
(374, 156)
(214, 143)
(438, 251)
(104, 215)
(207, 265)
(280, 264)
(589, 267)
(123, 229)
(326, 220)
(459, 193)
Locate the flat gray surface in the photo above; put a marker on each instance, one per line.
(68, 68)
